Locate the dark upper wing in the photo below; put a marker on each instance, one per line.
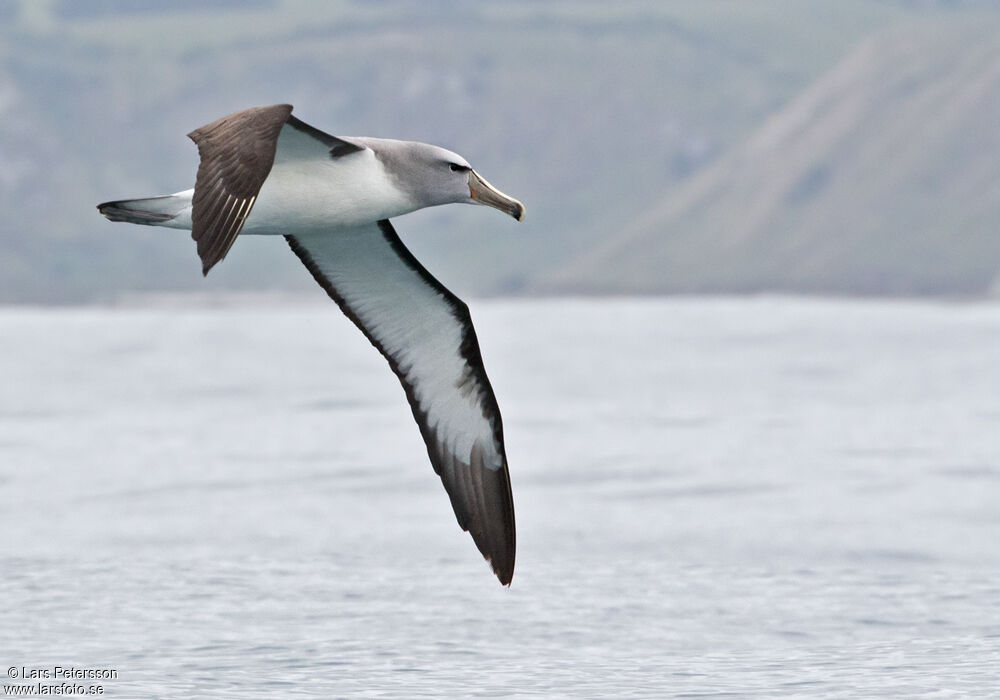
(236, 156)
(237, 153)
(426, 334)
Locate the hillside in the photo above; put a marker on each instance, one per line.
(586, 111)
(883, 177)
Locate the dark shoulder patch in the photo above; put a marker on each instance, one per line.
(338, 147)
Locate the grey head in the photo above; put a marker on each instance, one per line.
(432, 175)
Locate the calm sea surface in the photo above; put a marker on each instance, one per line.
(715, 497)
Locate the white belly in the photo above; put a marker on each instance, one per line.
(316, 195)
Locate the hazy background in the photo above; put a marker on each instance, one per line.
(225, 495)
(724, 146)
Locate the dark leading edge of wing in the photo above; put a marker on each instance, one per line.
(426, 334)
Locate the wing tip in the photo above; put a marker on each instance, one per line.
(208, 258)
(504, 572)
(482, 501)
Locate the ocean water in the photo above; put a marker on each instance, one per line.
(762, 497)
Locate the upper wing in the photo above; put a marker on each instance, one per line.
(426, 334)
(237, 153)
(236, 156)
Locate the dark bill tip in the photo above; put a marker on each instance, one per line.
(485, 193)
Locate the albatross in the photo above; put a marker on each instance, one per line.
(264, 172)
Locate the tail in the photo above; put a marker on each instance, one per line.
(173, 210)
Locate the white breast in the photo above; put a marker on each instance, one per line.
(318, 192)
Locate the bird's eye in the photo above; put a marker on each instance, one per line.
(456, 168)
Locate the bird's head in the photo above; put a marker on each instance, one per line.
(435, 175)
